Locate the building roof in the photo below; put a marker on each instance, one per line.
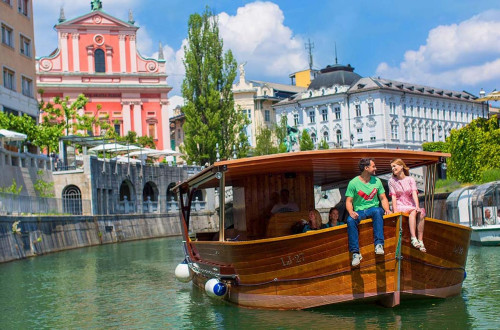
(337, 74)
(279, 87)
(370, 83)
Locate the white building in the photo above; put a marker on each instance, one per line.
(256, 99)
(350, 111)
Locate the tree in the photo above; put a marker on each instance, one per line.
(22, 124)
(474, 149)
(323, 145)
(264, 145)
(211, 118)
(306, 142)
(44, 188)
(435, 146)
(59, 116)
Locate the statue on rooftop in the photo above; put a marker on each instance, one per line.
(95, 5)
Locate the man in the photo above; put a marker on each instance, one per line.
(488, 219)
(284, 205)
(362, 201)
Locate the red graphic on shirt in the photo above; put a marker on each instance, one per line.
(368, 197)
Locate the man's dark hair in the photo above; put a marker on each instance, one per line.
(363, 162)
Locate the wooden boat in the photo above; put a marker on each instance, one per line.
(261, 264)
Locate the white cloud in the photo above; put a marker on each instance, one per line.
(463, 54)
(257, 35)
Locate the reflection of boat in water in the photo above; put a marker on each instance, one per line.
(477, 207)
(260, 263)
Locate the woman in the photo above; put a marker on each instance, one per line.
(333, 218)
(314, 221)
(403, 190)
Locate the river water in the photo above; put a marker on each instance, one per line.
(131, 285)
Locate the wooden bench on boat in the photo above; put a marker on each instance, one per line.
(281, 224)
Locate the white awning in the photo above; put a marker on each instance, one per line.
(113, 147)
(6, 135)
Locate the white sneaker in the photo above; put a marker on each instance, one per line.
(379, 249)
(356, 259)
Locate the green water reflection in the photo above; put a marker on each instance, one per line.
(131, 285)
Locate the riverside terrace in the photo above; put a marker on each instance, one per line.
(92, 185)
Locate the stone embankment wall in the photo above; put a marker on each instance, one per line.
(47, 234)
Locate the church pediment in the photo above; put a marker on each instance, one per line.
(97, 18)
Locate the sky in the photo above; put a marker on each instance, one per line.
(450, 44)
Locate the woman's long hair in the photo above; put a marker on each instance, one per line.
(399, 161)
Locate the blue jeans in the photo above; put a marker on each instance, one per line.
(377, 215)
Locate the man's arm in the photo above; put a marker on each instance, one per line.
(349, 207)
(385, 203)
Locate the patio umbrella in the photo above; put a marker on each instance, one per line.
(493, 96)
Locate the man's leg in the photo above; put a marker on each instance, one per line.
(352, 234)
(377, 215)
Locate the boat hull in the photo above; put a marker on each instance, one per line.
(314, 268)
(486, 235)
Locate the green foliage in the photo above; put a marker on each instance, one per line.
(490, 175)
(281, 130)
(435, 146)
(323, 145)
(211, 118)
(474, 149)
(12, 189)
(306, 142)
(244, 147)
(282, 148)
(264, 145)
(21, 124)
(58, 116)
(43, 188)
(446, 185)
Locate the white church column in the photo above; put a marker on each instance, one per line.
(133, 54)
(76, 52)
(90, 58)
(109, 59)
(64, 51)
(165, 124)
(127, 126)
(138, 118)
(121, 48)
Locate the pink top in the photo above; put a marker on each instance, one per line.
(402, 190)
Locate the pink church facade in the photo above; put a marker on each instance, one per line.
(97, 56)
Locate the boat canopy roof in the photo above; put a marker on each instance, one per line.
(327, 166)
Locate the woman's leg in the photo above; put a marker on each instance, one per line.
(412, 223)
(420, 226)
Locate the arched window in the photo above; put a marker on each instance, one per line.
(313, 137)
(325, 136)
(72, 200)
(339, 136)
(99, 61)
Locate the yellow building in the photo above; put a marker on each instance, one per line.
(17, 58)
(303, 78)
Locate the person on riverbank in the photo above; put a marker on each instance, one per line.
(363, 196)
(404, 194)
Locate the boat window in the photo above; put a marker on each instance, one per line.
(485, 204)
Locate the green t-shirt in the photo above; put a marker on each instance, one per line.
(365, 195)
